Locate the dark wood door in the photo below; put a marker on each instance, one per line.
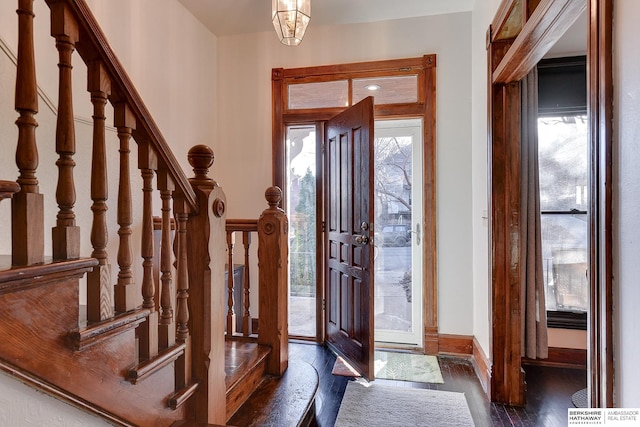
(349, 256)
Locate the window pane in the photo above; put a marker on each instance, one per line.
(319, 95)
(562, 148)
(564, 255)
(387, 90)
(301, 209)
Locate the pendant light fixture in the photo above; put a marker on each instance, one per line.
(290, 19)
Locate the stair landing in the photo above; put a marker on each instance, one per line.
(256, 399)
(287, 401)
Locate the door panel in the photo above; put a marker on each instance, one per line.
(349, 215)
(399, 232)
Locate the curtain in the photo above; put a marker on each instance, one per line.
(532, 302)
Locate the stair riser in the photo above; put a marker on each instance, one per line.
(240, 392)
(33, 338)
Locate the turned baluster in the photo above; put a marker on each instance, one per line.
(66, 235)
(99, 305)
(167, 332)
(27, 213)
(183, 364)
(246, 318)
(231, 315)
(148, 331)
(124, 289)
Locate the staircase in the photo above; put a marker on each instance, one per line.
(158, 341)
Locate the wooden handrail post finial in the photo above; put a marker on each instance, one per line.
(273, 196)
(201, 159)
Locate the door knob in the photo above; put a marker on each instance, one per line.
(362, 240)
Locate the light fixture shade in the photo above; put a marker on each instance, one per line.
(290, 19)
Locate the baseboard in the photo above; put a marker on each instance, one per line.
(561, 357)
(482, 366)
(457, 345)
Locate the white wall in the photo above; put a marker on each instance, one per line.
(23, 406)
(626, 123)
(483, 13)
(244, 143)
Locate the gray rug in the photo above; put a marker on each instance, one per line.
(407, 367)
(371, 405)
(579, 399)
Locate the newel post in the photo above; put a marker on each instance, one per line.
(273, 258)
(206, 236)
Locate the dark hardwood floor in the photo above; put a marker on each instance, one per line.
(549, 390)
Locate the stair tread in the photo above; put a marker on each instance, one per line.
(241, 357)
(285, 401)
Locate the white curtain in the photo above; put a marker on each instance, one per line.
(532, 302)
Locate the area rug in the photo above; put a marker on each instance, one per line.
(372, 405)
(397, 366)
(579, 399)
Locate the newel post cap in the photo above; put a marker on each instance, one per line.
(201, 159)
(273, 196)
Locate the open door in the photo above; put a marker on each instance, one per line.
(349, 229)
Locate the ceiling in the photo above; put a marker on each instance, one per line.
(230, 17)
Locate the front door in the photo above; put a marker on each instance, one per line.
(349, 210)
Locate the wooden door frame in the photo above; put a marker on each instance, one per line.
(520, 35)
(425, 107)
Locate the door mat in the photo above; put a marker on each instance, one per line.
(397, 366)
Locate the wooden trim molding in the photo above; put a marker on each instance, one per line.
(482, 366)
(561, 357)
(425, 107)
(600, 113)
(509, 60)
(550, 20)
(458, 345)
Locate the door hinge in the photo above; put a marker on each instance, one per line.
(324, 226)
(324, 304)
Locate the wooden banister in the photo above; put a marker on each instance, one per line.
(148, 332)
(124, 289)
(66, 234)
(8, 189)
(99, 293)
(27, 206)
(93, 45)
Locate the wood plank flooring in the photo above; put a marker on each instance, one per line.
(549, 390)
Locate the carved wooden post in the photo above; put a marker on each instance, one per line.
(207, 235)
(99, 298)
(148, 331)
(273, 255)
(124, 289)
(167, 331)
(66, 235)
(27, 206)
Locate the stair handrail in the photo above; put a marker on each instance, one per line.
(93, 45)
